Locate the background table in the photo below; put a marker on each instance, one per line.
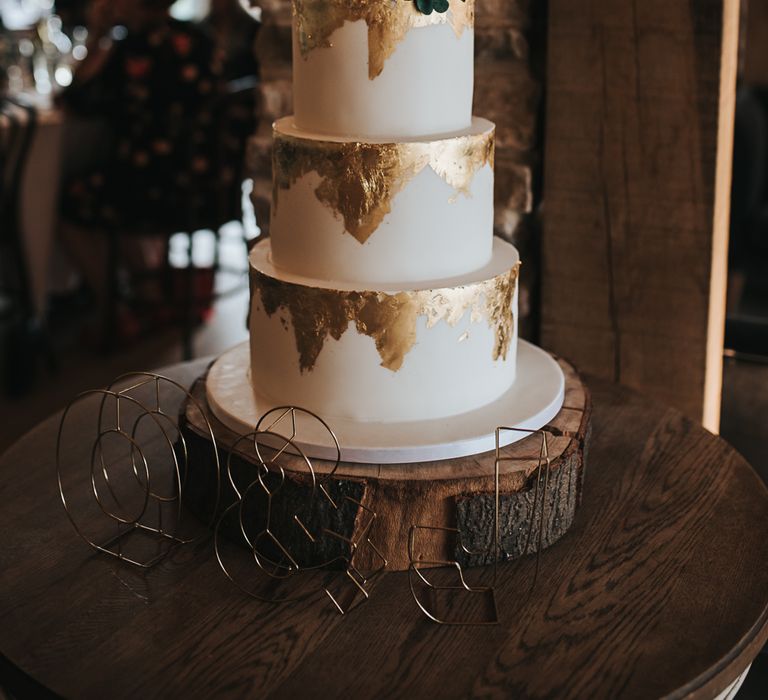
(62, 146)
(660, 588)
(39, 195)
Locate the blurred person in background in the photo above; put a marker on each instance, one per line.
(153, 79)
(234, 33)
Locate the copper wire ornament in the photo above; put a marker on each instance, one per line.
(280, 574)
(418, 565)
(287, 566)
(121, 412)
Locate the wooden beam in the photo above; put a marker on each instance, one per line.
(639, 132)
(713, 380)
(755, 43)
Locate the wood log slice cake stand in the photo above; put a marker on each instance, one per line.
(456, 493)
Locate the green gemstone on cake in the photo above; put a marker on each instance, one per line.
(427, 6)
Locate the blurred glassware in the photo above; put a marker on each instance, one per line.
(79, 40)
(24, 14)
(190, 10)
(38, 53)
(252, 8)
(18, 53)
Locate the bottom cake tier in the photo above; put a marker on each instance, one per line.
(384, 354)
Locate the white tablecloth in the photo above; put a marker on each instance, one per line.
(40, 202)
(61, 147)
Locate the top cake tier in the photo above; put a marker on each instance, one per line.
(383, 68)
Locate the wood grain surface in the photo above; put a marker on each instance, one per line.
(639, 127)
(659, 589)
(454, 493)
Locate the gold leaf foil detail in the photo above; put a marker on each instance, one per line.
(359, 180)
(389, 21)
(389, 319)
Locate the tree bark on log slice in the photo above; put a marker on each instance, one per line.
(456, 494)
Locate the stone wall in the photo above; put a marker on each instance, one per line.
(509, 60)
(508, 88)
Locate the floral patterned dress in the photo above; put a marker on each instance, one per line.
(158, 91)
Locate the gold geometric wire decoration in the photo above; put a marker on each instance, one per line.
(422, 584)
(148, 499)
(277, 563)
(416, 575)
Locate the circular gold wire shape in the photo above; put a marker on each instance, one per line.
(104, 394)
(97, 447)
(264, 467)
(268, 467)
(240, 497)
(138, 380)
(251, 438)
(159, 416)
(283, 411)
(102, 432)
(160, 419)
(155, 415)
(157, 498)
(277, 570)
(264, 599)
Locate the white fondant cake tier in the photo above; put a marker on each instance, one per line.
(530, 403)
(386, 354)
(425, 85)
(370, 212)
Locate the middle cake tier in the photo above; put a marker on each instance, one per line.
(404, 212)
(384, 353)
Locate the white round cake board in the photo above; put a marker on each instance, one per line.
(533, 401)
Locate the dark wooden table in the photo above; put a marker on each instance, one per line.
(660, 588)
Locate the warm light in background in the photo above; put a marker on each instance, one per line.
(248, 6)
(190, 9)
(197, 9)
(22, 14)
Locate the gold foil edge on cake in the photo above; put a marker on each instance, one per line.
(318, 314)
(388, 21)
(360, 180)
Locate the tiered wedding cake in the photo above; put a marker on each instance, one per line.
(382, 295)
